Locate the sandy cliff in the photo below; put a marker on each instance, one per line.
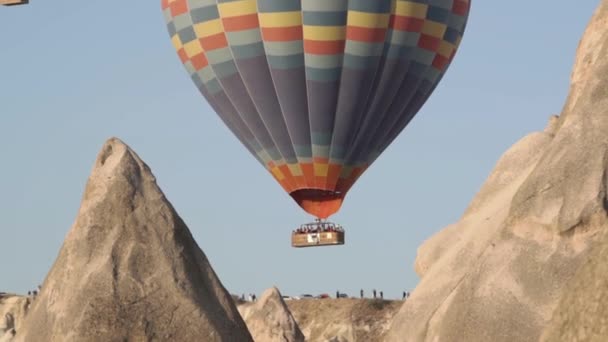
(269, 319)
(344, 320)
(499, 272)
(129, 268)
(13, 309)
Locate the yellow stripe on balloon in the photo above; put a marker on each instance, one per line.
(364, 19)
(434, 29)
(411, 9)
(208, 28)
(446, 48)
(277, 173)
(321, 170)
(280, 19)
(324, 32)
(236, 8)
(177, 43)
(295, 170)
(193, 48)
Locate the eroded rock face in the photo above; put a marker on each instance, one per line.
(269, 319)
(569, 186)
(13, 309)
(345, 319)
(591, 49)
(582, 313)
(129, 268)
(498, 273)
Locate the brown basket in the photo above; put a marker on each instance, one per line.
(299, 240)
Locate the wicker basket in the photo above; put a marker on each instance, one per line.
(317, 239)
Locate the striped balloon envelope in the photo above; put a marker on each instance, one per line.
(316, 89)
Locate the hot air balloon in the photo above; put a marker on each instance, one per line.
(316, 90)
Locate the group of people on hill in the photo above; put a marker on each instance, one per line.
(379, 294)
(318, 228)
(33, 294)
(374, 293)
(250, 298)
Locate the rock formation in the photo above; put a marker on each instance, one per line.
(497, 274)
(129, 268)
(582, 313)
(344, 320)
(269, 319)
(12, 311)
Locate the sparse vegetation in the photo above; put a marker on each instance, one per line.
(379, 304)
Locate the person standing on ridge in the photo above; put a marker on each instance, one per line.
(361, 293)
(374, 292)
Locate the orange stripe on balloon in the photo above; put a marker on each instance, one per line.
(408, 24)
(282, 34)
(164, 4)
(332, 175)
(283, 184)
(429, 42)
(183, 56)
(199, 61)
(214, 42)
(440, 62)
(308, 171)
(300, 182)
(178, 7)
(317, 47)
(240, 23)
(460, 7)
(364, 34)
(321, 182)
(288, 176)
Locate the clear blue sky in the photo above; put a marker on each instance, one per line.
(74, 73)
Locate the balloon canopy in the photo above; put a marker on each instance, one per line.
(316, 89)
